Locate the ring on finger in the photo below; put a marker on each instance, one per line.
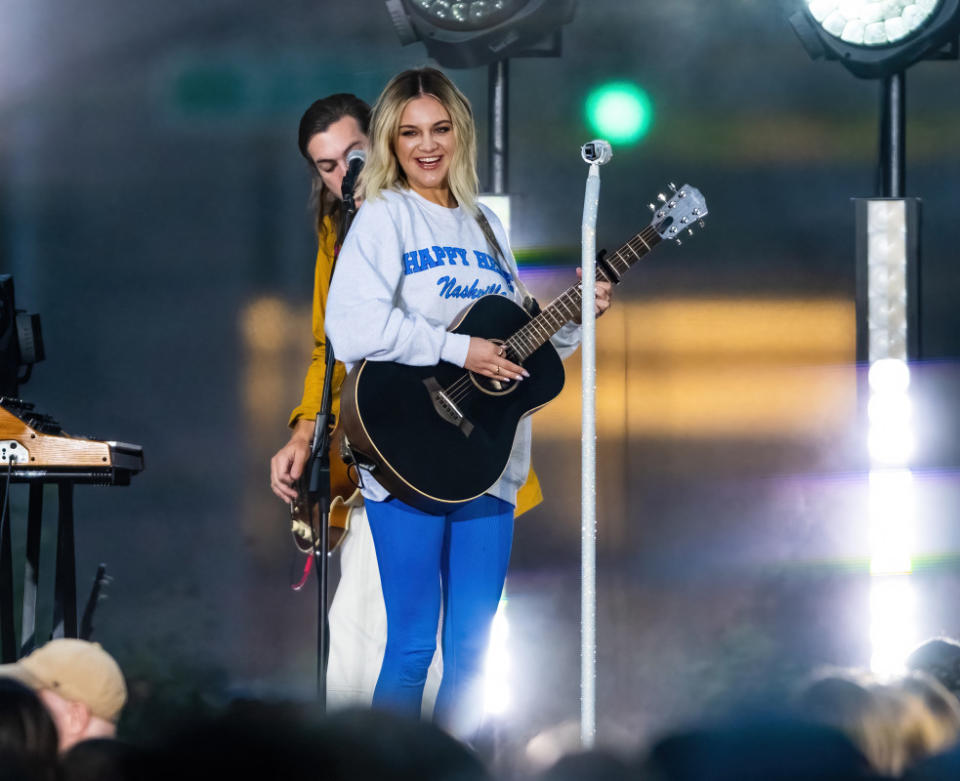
(498, 369)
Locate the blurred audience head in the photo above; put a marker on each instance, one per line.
(778, 748)
(895, 723)
(938, 657)
(849, 701)
(928, 716)
(595, 765)
(101, 759)
(81, 685)
(28, 736)
(285, 740)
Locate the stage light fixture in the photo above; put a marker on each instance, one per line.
(475, 15)
(876, 38)
(469, 33)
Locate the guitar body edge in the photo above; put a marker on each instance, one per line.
(361, 444)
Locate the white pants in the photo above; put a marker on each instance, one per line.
(358, 624)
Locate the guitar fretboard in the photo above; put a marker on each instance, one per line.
(568, 306)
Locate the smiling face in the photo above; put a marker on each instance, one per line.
(425, 146)
(328, 151)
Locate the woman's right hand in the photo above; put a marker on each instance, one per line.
(487, 358)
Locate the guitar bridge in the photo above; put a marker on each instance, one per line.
(446, 408)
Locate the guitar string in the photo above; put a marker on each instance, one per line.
(463, 387)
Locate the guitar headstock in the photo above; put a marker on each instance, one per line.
(678, 212)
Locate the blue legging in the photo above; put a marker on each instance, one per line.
(459, 558)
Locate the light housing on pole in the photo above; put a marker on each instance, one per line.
(876, 38)
(469, 33)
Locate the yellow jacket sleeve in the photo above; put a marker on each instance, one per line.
(313, 383)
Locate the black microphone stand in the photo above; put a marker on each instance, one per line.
(318, 484)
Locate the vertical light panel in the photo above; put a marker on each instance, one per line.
(499, 205)
(887, 279)
(890, 442)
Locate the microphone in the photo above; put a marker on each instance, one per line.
(355, 160)
(598, 152)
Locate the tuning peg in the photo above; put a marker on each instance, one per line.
(679, 243)
(661, 197)
(703, 224)
(652, 207)
(672, 186)
(690, 231)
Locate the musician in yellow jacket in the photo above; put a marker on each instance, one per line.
(329, 130)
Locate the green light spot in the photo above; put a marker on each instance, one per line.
(619, 112)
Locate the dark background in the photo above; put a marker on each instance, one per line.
(153, 210)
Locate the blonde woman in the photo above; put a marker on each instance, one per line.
(416, 255)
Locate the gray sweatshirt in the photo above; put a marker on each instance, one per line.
(406, 269)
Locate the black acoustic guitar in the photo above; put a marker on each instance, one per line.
(439, 436)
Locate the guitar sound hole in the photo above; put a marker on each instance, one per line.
(497, 386)
(492, 385)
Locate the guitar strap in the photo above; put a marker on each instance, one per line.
(529, 302)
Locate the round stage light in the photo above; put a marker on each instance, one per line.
(872, 22)
(475, 15)
(620, 112)
(877, 38)
(469, 33)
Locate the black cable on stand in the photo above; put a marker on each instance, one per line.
(318, 464)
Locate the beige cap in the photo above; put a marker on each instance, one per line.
(76, 670)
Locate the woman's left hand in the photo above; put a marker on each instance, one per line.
(604, 294)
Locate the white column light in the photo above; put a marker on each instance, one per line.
(890, 439)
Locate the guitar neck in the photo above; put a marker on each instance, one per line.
(568, 306)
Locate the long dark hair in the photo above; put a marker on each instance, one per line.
(317, 119)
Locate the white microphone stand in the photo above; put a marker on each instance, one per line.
(596, 153)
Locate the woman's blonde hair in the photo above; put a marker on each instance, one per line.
(383, 172)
